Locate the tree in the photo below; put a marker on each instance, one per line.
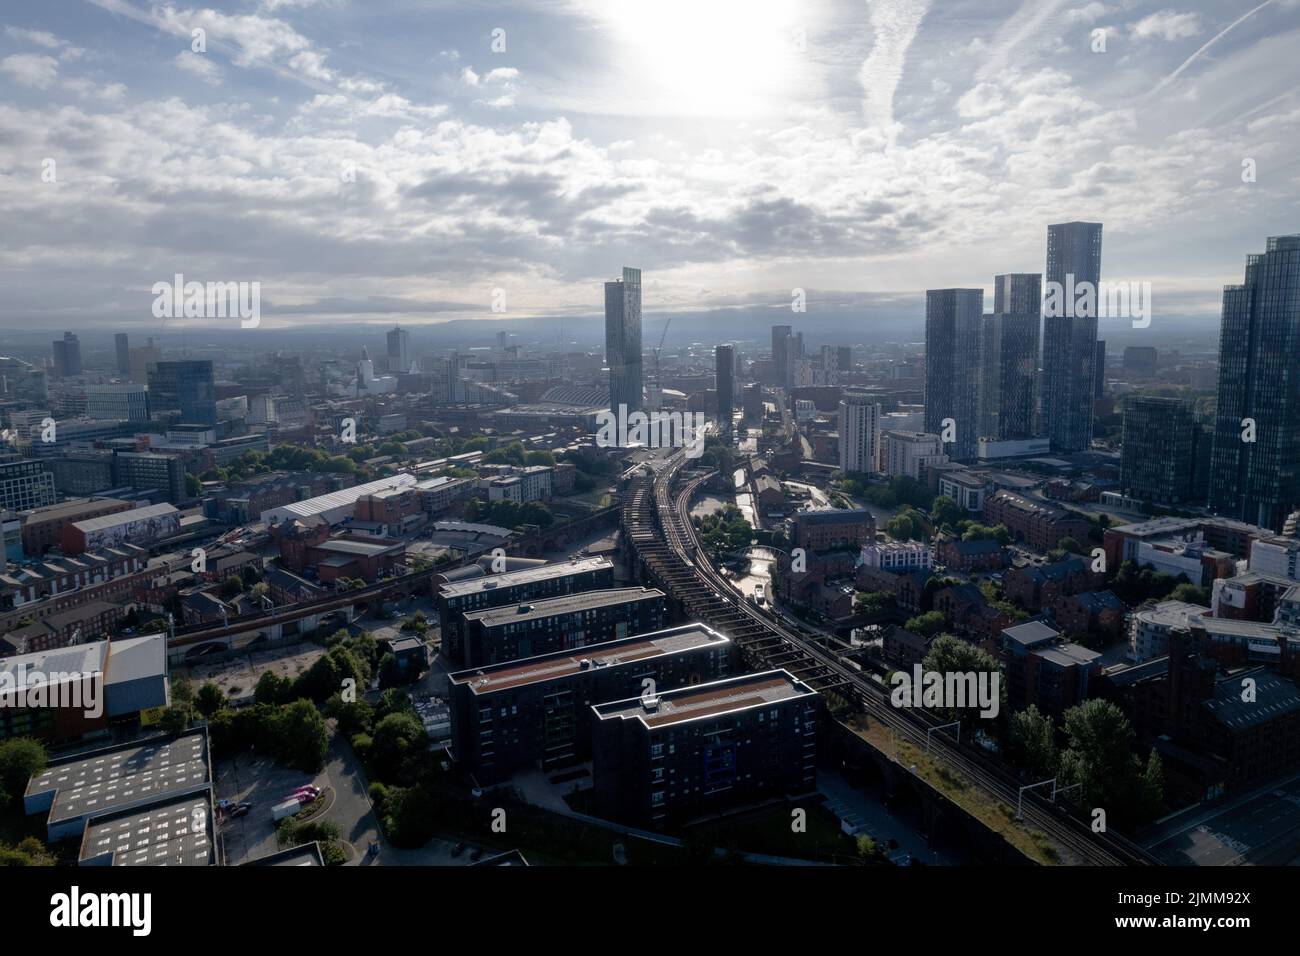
(945, 511)
(29, 852)
(1153, 786)
(175, 718)
(21, 758)
(397, 738)
(273, 689)
(301, 738)
(951, 655)
(873, 602)
(210, 700)
(1191, 594)
(232, 587)
(1100, 755)
(409, 816)
(390, 672)
(1032, 742)
(927, 625)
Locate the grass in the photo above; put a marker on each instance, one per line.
(770, 831)
(993, 813)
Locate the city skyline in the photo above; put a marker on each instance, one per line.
(313, 147)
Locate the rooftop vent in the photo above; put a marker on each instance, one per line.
(650, 703)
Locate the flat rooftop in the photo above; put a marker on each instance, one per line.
(122, 777)
(125, 517)
(562, 664)
(564, 604)
(173, 832)
(524, 576)
(706, 700)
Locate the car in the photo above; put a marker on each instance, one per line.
(458, 849)
(240, 809)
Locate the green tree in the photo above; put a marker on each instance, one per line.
(210, 700)
(1031, 742)
(927, 625)
(1100, 756)
(302, 739)
(21, 758)
(175, 718)
(945, 511)
(231, 587)
(951, 655)
(397, 739)
(273, 689)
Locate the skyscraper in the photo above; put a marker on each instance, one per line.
(67, 355)
(724, 377)
(859, 432)
(1255, 462)
(1160, 443)
(1070, 338)
(781, 354)
(623, 340)
(123, 353)
(185, 386)
(399, 350)
(953, 319)
(1009, 358)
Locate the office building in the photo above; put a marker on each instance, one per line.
(859, 429)
(908, 453)
(25, 485)
(724, 377)
(511, 632)
(1255, 463)
(1099, 372)
(781, 364)
(458, 597)
(623, 340)
(185, 387)
(537, 712)
(1160, 457)
(123, 350)
(123, 403)
(143, 470)
(399, 350)
(681, 753)
(1070, 334)
(67, 356)
(953, 321)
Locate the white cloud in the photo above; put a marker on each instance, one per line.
(1167, 25)
(895, 23)
(35, 37)
(199, 65)
(31, 69)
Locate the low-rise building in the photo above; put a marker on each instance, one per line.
(833, 529)
(1040, 526)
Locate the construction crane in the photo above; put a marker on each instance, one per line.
(659, 349)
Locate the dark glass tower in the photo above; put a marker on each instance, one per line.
(1070, 340)
(953, 319)
(1259, 379)
(1160, 443)
(1009, 351)
(186, 386)
(724, 378)
(123, 347)
(623, 340)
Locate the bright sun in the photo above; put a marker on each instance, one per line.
(706, 57)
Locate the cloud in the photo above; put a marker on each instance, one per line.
(1167, 25)
(199, 65)
(31, 69)
(35, 37)
(895, 23)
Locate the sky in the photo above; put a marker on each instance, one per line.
(419, 161)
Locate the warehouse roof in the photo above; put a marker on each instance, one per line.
(124, 517)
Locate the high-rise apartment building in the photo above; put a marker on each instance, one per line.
(724, 361)
(1255, 462)
(67, 355)
(953, 322)
(859, 432)
(399, 350)
(1070, 338)
(623, 340)
(781, 354)
(1009, 358)
(123, 348)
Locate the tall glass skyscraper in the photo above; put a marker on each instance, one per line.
(399, 350)
(724, 380)
(1259, 379)
(1069, 339)
(953, 320)
(186, 386)
(1009, 350)
(623, 340)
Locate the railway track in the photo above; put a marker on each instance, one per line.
(657, 526)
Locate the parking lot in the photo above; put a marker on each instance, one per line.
(262, 782)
